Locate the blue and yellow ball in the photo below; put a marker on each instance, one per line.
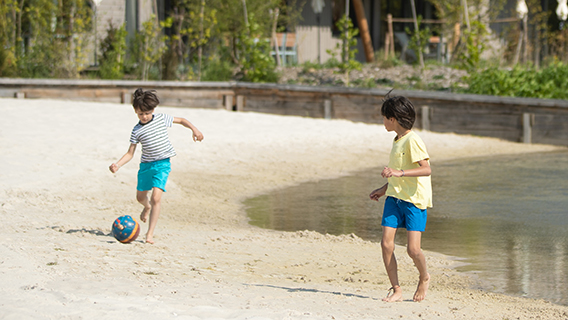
(125, 229)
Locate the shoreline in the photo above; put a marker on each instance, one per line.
(58, 200)
(483, 275)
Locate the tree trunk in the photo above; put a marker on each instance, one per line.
(19, 40)
(420, 57)
(246, 14)
(364, 28)
(200, 47)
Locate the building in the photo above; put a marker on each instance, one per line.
(316, 32)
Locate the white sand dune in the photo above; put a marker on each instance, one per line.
(58, 200)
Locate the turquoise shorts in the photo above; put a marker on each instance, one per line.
(401, 214)
(153, 175)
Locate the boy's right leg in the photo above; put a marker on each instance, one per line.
(156, 203)
(415, 252)
(142, 197)
(389, 259)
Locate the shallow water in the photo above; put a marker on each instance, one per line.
(506, 216)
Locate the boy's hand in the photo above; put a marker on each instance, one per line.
(113, 168)
(389, 172)
(197, 135)
(376, 194)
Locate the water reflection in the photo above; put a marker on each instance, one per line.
(507, 216)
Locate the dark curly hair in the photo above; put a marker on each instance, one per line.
(145, 100)
(401, 109)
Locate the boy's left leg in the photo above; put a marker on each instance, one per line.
(156, 202)
(415, 252)
(142, 198)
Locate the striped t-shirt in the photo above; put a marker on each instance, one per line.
(153, 136)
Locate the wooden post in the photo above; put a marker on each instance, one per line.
(457, 36)
(518, 51)
(274, 37)
(125, 98)
(390, 37)
(527, 127)
(387, 45)
(364, 28)
(327, 109)
(240, 103)
(425, 118)
(228, 101)
(283, 51)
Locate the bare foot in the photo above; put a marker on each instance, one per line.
(150, 241)
(422, 288)
(394, 295)
(145, 213)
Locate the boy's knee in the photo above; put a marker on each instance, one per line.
(387, 245)
(414, 252)
(141, 198)
(156, 196)
(155, 199)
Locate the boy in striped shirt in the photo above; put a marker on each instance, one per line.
(157, 150)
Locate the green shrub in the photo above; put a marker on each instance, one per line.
(257, 65)
(308, 65)
(113, 50)
(549, 82)
(347, 48)
(470, 58)
(217, 70)
(8, 66)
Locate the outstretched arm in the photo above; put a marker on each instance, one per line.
(423, 171)
(125, 158)
(197, 135)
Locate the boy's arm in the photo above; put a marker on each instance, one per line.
(423, 171)
(125, 158)
(197, 135)
(376, 194)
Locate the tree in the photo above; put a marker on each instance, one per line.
(191, 25)
(254, 59)
(113, 49)
(471, 44)
(347, 48)
(418, 39)
(148, 47)
(43, 38)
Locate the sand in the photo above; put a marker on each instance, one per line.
(58, 200)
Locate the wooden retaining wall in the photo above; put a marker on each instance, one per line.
(516, 119)
(171, 93)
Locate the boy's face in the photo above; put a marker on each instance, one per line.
(144, 116)
(389, 123)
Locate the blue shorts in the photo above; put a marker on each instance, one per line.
(153, 175)
(401, 214)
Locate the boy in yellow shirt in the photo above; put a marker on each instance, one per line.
(408, 191)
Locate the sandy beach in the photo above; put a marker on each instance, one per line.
(58, 200)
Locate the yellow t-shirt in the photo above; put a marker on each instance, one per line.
(405, 154)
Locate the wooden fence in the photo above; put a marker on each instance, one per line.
(515, 119)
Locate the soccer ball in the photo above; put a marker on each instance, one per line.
(125, 229)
